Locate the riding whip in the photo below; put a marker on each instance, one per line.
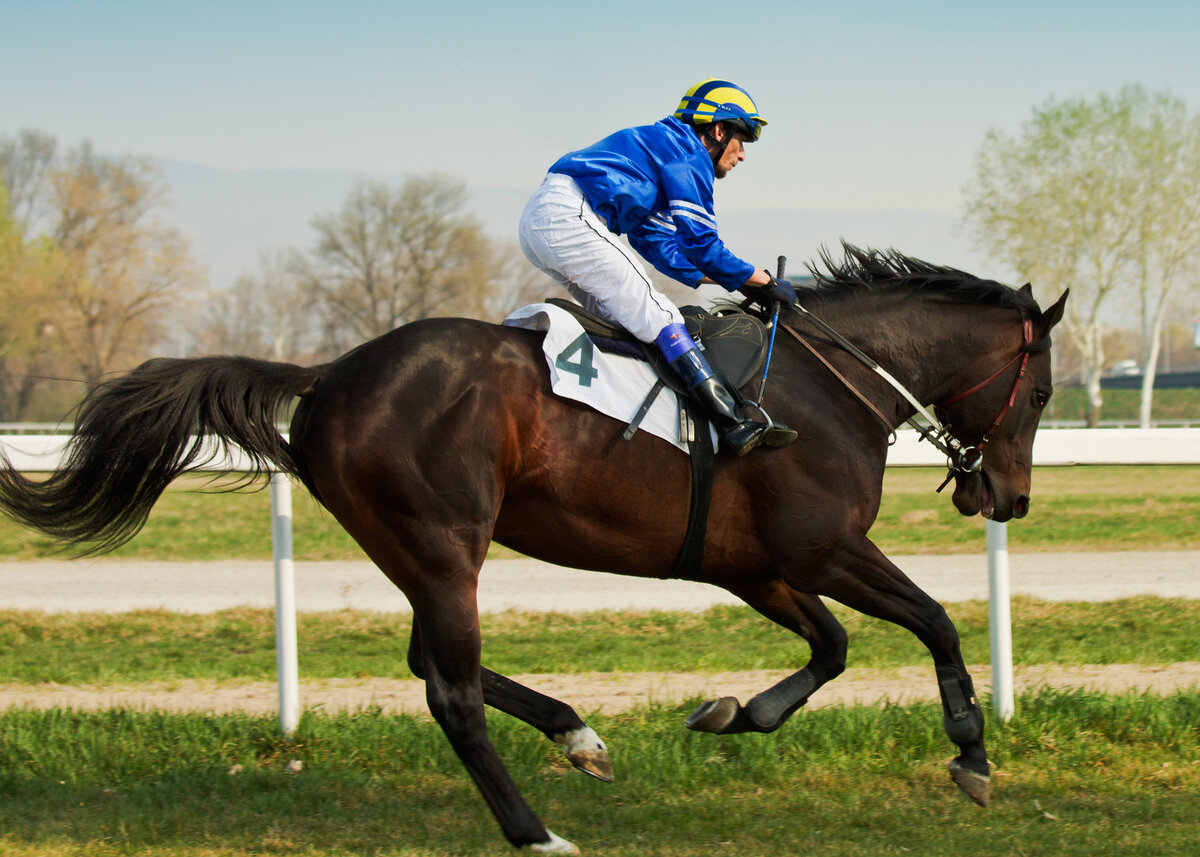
(780, 265)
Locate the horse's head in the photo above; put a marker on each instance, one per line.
(1000, 416)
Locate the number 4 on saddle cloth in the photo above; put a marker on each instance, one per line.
(601, 365)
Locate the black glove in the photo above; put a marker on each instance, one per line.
(779, 290)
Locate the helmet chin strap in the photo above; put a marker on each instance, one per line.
(711, 142)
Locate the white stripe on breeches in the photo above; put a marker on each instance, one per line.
(562, 236)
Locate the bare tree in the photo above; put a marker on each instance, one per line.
(515, 283)
(25, 164)
(266, 314)
(1088, 197)
(396, 255)
(124, 269)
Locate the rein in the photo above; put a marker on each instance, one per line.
(961, 458)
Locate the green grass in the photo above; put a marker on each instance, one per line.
(239, 644)
(1074, 509)
(1077, 774)
(1168, 405)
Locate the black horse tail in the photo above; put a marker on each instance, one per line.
(135, 434)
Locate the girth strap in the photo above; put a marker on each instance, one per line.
(701, 455)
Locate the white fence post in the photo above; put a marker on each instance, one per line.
(286, 647)
(1000, 620)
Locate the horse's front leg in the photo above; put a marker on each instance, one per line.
(555, 719)
(862, 578)
(805, 615)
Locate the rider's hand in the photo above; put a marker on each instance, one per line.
(776, 290)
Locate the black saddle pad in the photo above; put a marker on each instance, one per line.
(734, 341)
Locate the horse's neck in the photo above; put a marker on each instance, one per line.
(923, 348)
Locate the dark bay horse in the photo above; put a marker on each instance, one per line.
(435, 439)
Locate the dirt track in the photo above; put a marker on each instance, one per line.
(607, 692)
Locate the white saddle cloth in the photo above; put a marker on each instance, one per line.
(609, 383)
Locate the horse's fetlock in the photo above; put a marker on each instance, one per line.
(772, 707)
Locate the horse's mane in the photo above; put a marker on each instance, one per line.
(862, 272)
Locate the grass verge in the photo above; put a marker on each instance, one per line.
(103, 648)
(1076, 774)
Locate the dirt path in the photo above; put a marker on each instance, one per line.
(607, 692)
(110, 585)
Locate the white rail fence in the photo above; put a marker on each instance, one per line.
(1052, 447)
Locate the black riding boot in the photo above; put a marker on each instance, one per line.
(739, 433)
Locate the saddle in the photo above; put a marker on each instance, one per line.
(735, 344)
(734, 341)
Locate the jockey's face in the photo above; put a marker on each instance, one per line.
(732, 154)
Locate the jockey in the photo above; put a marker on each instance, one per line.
(654, 184)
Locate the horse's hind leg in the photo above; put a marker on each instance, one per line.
(553, 718)
(805, 615)
(450, 651)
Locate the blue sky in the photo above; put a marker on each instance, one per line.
(872, 105)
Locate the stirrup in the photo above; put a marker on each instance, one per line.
(777, 434)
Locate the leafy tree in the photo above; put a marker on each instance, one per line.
(28, 272)
(1097, 195)
(393, 255)
(1166, 210)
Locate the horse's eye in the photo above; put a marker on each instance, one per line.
(1041, 397)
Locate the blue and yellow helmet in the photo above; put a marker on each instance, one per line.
(713, 100)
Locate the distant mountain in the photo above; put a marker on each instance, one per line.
(800, 234)
(230, 218)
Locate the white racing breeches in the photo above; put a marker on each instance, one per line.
(562, 236)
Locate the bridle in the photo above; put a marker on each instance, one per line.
(960, 457)
(970, 459)
(1028, 347)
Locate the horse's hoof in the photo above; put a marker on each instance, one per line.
(976, 786)
(555, 845)
(594, 763)
(715, 716)
(587, 752)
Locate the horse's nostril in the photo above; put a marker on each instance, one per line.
(1021, 507)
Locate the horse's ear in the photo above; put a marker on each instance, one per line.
(1054, 314)
(1026, 289)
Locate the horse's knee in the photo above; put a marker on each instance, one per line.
(830, 646)
(939, 633)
